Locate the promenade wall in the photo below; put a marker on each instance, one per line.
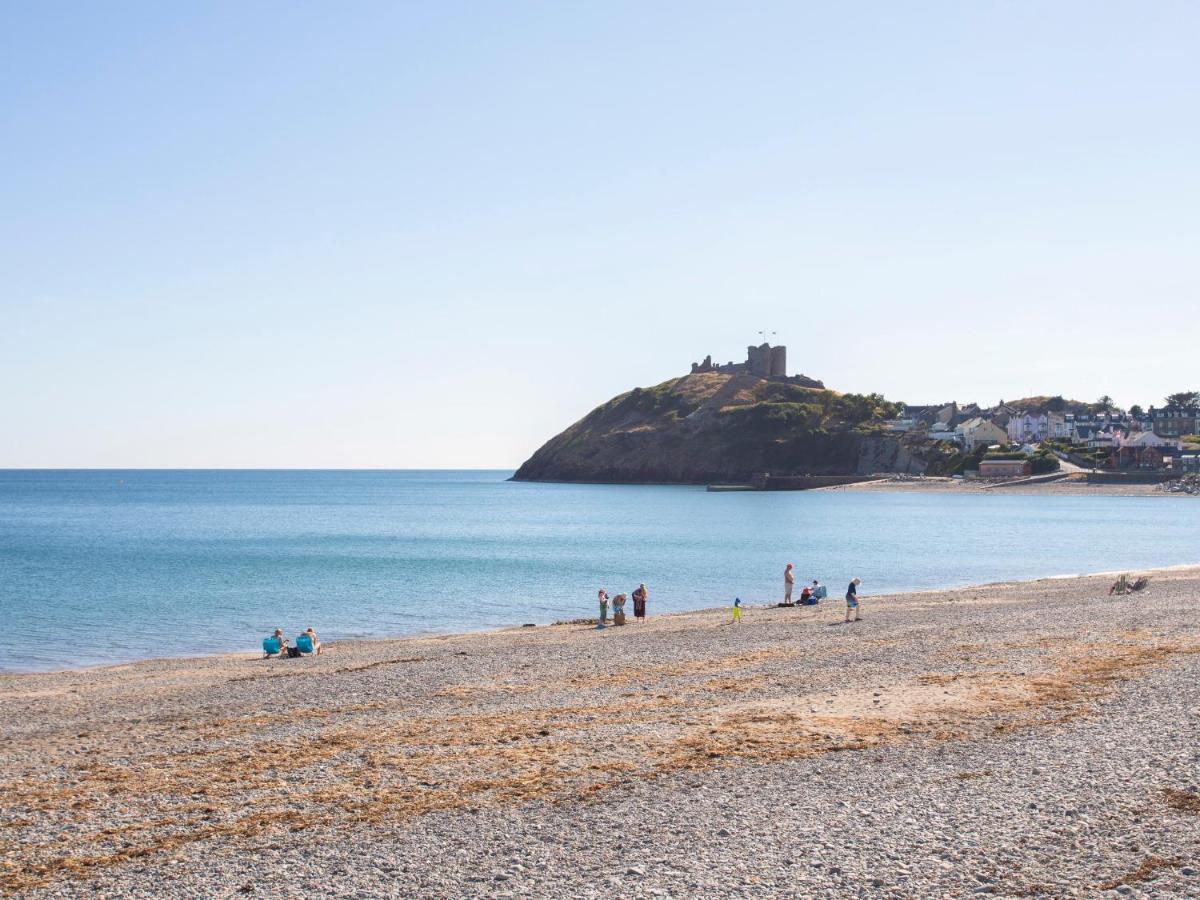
(1130, 477)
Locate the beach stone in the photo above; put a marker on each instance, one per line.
(937, 815)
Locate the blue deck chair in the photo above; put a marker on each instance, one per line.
(271, 646)
(304, 643)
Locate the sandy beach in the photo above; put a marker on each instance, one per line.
(1073, 485)
(1019, 739)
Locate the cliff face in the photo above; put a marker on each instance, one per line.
(712, 427)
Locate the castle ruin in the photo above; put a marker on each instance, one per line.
(764, 361)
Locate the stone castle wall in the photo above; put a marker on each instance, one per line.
(764, 361)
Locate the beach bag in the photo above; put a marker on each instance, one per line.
(294, 652)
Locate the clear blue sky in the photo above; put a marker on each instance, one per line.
(318, 234)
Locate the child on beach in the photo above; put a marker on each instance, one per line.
(618, 603)
(852, 599)
(603, 607)
(737, 610)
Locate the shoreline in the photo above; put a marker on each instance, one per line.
(390, 640)
(1070, 485)
(918, 736)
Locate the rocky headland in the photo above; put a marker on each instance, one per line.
(713, 426)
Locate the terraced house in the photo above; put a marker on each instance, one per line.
(1032, 425)
(1175, 421)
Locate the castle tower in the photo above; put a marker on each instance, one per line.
(779, 361)
(758, 359)
(766, 361)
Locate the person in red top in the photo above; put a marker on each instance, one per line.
(805, 594)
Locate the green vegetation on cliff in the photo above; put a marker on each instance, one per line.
(710, 426)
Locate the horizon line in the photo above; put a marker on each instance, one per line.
(252, 469)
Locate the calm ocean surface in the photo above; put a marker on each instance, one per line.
(109, 566)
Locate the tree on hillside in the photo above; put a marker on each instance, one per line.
(1105, 403)
(1186, 399)
(1136, 411)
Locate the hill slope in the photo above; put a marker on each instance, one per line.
(711, 427)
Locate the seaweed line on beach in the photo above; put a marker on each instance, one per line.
(412, 764)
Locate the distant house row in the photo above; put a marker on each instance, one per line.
(970, 424)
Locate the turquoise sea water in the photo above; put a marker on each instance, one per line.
(108, 566)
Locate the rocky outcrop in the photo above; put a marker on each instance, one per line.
(905, 454)
(716, 427)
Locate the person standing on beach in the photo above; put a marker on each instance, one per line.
(603, 607)
(737, 610)
(788, 580)
(639, 603)
(852, 600)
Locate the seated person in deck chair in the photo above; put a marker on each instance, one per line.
(275, 644)
(308, 643)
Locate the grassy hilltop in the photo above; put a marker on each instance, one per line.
(710, 426)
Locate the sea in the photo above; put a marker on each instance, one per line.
(110, 566)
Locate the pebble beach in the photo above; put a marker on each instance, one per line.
(1019, 739)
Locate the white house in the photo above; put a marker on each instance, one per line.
(1036, 426)
(1107, 439)
(1148, 439)
(977, 431)
(904, 423)
(940, 431)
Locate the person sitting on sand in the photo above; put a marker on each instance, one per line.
(639, 603)
(603, 607)
(805, 594)
(312, 636)
(852, 599)
(788, 580)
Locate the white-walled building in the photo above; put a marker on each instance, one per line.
(1036, 426)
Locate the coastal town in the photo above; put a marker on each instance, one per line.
(1037, 434)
